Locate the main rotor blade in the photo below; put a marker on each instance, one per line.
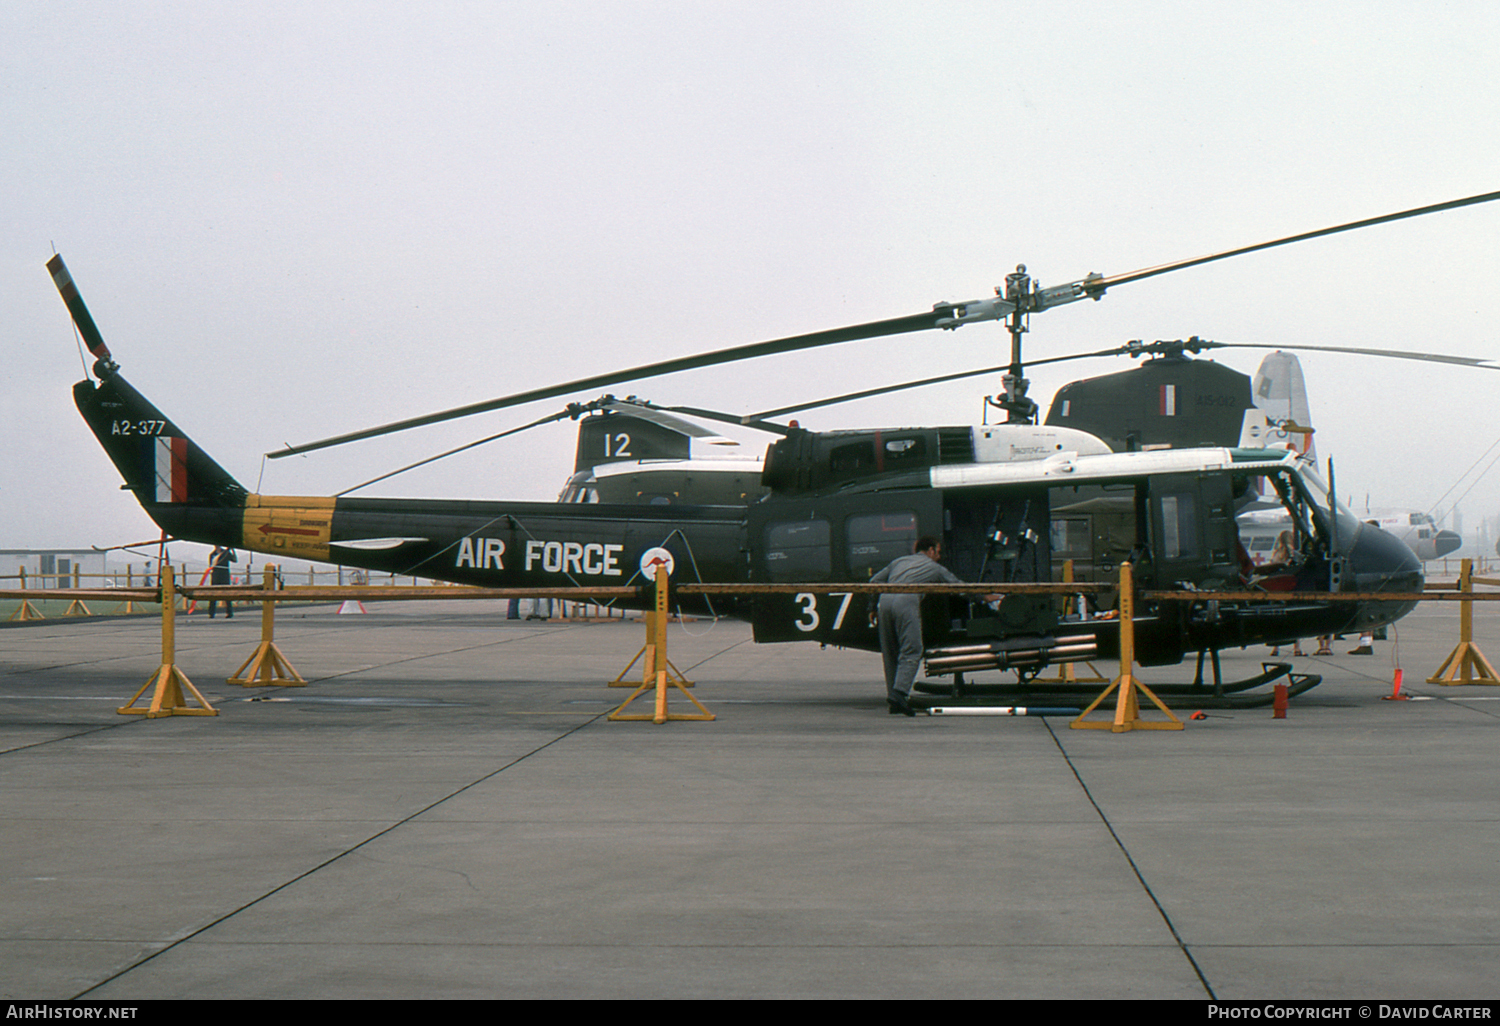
(875, 329)
(663, 417)
(1150, 272)
(1394, 354)
(903, 386)
(750, 421)
(451, 452)
(1136, 349)
(943, 315)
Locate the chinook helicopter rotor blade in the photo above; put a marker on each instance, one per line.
(1129, 349)
(1394, 354)
(605, 403)
(749, 420)
(666, 417)
(875, 329)
(1196, 344)
(550, 418)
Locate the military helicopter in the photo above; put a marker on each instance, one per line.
(1009, 500)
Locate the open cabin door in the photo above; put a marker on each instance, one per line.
(1193, 534)
(1002, 536)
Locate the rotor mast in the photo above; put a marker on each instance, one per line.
(1015, 302)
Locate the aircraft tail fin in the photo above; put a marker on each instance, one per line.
(626, 436)
(1280, 418)
(160, 464)
(165, 469)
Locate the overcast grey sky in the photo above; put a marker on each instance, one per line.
(297, 219)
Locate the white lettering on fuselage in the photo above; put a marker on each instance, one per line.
(481, 553)
(589, 559)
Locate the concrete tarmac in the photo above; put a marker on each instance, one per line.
(445, 812)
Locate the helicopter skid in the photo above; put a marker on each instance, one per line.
(1230, 695)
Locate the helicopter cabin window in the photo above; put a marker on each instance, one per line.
(1179, 526)
(1071, 538)
(797, 550)
(874, 539)
(852, 459)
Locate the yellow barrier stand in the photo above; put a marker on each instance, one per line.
(26, 611)
(1463, 661)
(169, 681)
(653, 650)
(77, 607)
(657, 674)
(267, 666)
(1127, 706)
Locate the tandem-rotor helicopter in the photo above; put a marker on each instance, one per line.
(1010, 501)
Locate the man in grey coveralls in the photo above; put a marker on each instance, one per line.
(901, 619)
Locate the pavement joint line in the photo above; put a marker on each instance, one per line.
(329, 861)
(70, 737)
(1130, 860)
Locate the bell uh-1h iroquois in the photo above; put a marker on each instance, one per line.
(1009, 501)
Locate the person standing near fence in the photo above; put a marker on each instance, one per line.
(219, 561)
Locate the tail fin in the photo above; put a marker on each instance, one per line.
(623, 436)
(169, 474)
(160, 464)
(1280, 418)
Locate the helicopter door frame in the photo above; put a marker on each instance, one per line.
(1193, 535)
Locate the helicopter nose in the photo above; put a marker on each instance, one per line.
(1446, 542)
(1382, 562)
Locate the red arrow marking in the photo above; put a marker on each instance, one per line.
(271, 529)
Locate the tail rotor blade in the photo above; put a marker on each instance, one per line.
(81, 316)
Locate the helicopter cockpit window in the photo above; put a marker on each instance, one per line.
(579, 489)
(874, 539)
(1312, 486)
(797, 550)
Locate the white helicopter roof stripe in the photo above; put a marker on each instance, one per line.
(1069, 466)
